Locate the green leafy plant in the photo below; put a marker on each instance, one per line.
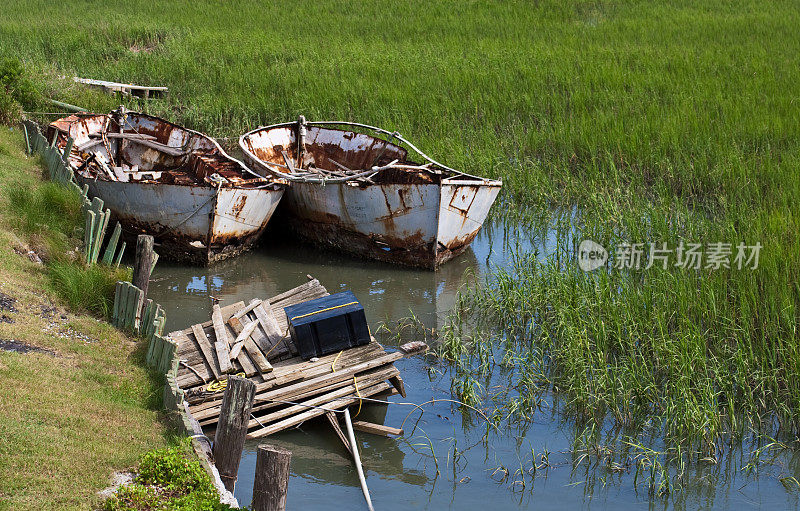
(169, 479)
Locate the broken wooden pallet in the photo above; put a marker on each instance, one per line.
(293, 390)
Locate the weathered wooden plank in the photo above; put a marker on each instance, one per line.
(262, 364)
(331, 416)
(242, 312)
(294, 370)
(314, 412)
(376, 429)
(362, 381)
(272, 331)
(119, 254)
(226, 313)
(157, 343)
(88, 237)
(314, 283)
(397, 383)
(167, 356)
(142, 266)
(204, 345)
(265, 400)
(238, 344)
(221, 341)
(117, 299)
(246, 364)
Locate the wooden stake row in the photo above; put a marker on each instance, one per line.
(126, 306)
(161, 355)
(96, 218)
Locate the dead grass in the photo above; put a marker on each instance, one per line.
(66, 421)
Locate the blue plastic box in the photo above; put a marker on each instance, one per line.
(327, 325)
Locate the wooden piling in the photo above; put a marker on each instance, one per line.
(272, 478)
(142, 266)
(237, 404)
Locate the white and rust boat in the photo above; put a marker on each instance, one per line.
(179, 185)
(362, 193)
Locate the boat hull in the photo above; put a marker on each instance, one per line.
(196, 225)
(363, 194)
(420, 225)
(178, 185)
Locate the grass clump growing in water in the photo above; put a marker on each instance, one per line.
(704, 355)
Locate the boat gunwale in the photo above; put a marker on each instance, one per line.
(275, 183)
(481, 181)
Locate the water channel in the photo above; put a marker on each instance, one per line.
(419, 470)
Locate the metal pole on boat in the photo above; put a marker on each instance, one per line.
(357, 458)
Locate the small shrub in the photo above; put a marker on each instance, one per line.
(17, 91)
(169, 479)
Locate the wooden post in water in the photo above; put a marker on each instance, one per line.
(142, 266)
(272, 478)
(237, 403)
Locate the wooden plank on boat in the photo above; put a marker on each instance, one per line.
(376, 429)
(397, 383)
(294, 370)
(226, 312)
(258, 358)
(266, 400)
(413, 347)
(311, 284)
(362, 380)
(248, 367)
(261, 362)
(222, 342)
(327, 397)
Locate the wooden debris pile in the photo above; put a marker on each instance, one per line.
(252, 339)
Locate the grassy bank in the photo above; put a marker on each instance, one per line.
(70, 416)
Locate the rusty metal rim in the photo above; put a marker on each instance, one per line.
(241, 164)
(394, 134)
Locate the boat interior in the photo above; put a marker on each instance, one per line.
(336, 154)
(134, 147)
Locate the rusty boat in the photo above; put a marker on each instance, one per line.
(360, 191)
(200, 204)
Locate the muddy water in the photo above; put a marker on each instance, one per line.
(441, 462)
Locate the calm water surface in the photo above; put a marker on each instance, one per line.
(418, 470)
